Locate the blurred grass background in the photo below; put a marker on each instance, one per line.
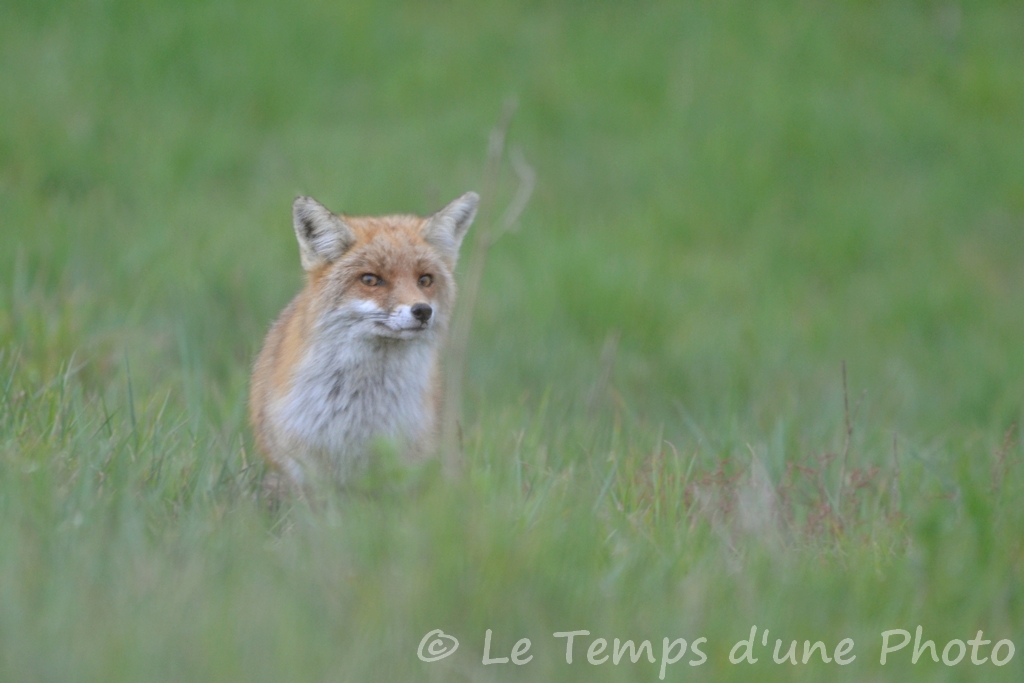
(732, 199)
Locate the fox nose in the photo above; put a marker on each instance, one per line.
(421, 312)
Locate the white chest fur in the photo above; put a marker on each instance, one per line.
(349, 390)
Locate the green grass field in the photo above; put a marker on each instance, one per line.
(732, 201)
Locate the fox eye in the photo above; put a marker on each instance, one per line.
(426, 280)
(371, 280)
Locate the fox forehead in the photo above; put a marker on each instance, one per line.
(369, 228)
(393, 245)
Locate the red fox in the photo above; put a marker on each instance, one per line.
(354, 357)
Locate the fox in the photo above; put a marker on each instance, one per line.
(355, 356)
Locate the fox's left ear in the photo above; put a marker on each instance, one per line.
(446, 228)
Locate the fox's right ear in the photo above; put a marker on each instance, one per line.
(323, 237)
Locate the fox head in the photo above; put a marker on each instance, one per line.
(382, 277)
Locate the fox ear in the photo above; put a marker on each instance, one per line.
(323, 236)
(446, 228)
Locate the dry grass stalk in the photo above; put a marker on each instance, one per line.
(488, 232)
(1000, 466)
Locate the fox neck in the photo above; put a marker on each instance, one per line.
(349, 390)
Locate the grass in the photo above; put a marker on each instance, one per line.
(732, 205)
